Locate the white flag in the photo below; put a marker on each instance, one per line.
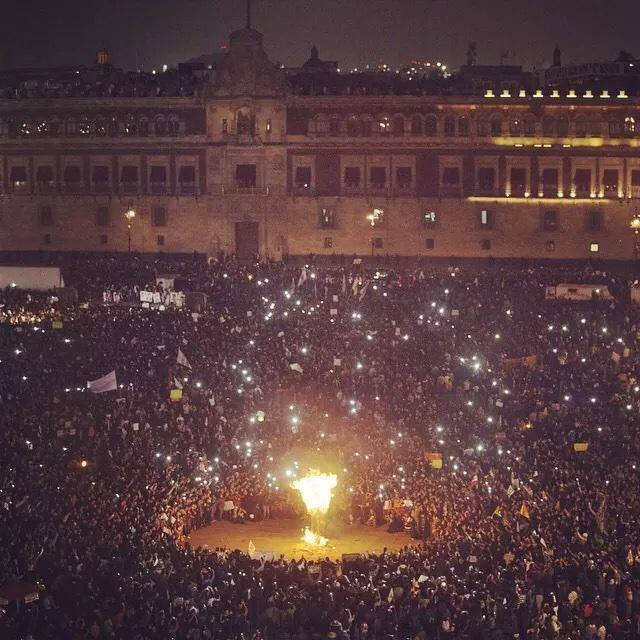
(182, 359)
(364, 290)
(303, 276)
(295, 367)
(106, 383)
(176, 383)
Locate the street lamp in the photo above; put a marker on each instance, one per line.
(129, 214)
(634, 225)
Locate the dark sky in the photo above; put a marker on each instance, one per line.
(147, 33)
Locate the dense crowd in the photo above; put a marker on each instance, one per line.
(496, 426)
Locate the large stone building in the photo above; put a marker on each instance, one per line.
(254, 160)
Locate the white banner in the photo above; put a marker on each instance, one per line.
(101, 385)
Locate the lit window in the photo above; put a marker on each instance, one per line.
(594, 247)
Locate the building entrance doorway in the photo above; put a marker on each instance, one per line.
(247, 241)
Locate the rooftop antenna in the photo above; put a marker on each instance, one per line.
(248, 14)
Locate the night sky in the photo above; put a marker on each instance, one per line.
(148, 33)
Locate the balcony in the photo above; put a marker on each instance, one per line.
(129, 188)
(158, 188)
(450, 191)
(303, 190)
(19, 186)
(101, 187)
(188, 189)
(486, 191)
(406, 189)
(549, 190)
(72, 188)
(378, 189)
(45, 186)
(352, 189)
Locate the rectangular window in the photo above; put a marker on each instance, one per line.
(328, 218)
(404, 177)
(100, 175)
(594, 247)
(549, 180)
(485, 245)
(550, 246)
(451, 176)
(129, 178)
(429, 243)
(303, 178)
(187, 179)
(46, 217)
(328, 242)
(158, 179)
(550, 221)
(429, 219)
(352, 177)
(377, 243)
(610, 182)
(102, 217)
(635, 177)
(485, 219)
(159, 217)
(582, 182)
(378, 177)
(594, 221)
(18, 178)
(44, 175)
(46, 238)
(246, 176)
(72, 174)
(160, 241)
(486, 180)
(103, 238)
(518, 181)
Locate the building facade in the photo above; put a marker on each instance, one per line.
(253, 162)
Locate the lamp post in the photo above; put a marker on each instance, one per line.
(634, 225)
(129, 214)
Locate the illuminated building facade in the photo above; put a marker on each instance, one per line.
(255, 160)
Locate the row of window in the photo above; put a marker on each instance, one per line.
(72, 178)
(103, 239)
(485, 219)
(100, 126)
(103, 218)
(485, 244)
(449, 126)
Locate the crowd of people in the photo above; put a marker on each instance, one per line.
(498, 426)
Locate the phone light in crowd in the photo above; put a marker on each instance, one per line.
(83, 463)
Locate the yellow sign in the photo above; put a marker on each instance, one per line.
(580, 446)
(175, 395)
(436, 463)
(56, 324)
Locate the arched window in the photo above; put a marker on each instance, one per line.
(244, 124)
(496, 126)
(113, 127)
(130, 126)
(529, 127)
(398, 126)
(384, 126)
(515, 127)
(416, 126)
(581, 127)
(84, 126)
(463, 126)
(562, 126)
(431, 125)
(42, 127)
(100, 127)
(449, 126)
(320, 124)
(354, 127)
(27, 128)
(629, 125)
(548, 127)
(161, 126)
